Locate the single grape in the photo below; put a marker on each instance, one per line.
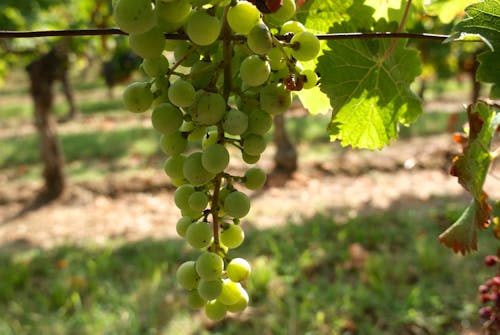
(311, 78)
(173, 166)
(238, 270)
(202, 28)
(250, 159)
(259, 39)
(199, 235)
(283, 14)
(182, 194)
(210, 289)
(254, 71)
(241, 304)
(215, 158)
(232, 236)
(235, 122)
(237, 204)
(166, 118)
(137, 97)
(275, 99)
(183, 53)
(195, 301)
(186, 275)
(230, 293)
(277, 60)
(198, 201)
(182, 225)
(255, 178)
(194, 171)
(201, 74)
(156, 67)
(209, 266)
(181, 93)
(208, 109)
(242, 17)
(259, 122)
(292, 27)
(133, 16)
(215, 310)
(306, 47)
(173, 144)
(254, 144)
(149, 44)
(173, 11)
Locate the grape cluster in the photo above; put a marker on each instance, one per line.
(215, 90)
(490, 297)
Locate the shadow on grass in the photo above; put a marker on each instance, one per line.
(379, 273)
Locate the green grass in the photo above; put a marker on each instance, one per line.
(302, 282)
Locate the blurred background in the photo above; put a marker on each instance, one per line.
(341, 241)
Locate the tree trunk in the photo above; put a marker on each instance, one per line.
(285, 159)
(43, 72)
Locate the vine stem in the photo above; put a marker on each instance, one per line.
(400, 28)
(175, 36)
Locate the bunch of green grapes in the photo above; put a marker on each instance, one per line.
(216, 90)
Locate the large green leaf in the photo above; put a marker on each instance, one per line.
(370, 96)
(471, 169)
(483, 21)
(447, 10)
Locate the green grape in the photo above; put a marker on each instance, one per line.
(277, 60)
(242, 17)
(238, 270)
(194, 171)
(250, 159)
(210, 289)
(199, 235)
(209, 139)
(233, 235)
(149, 44)
(156, 67)
(201, 74)
(254, 144)
(283, 14)
(215, 158)
(259, 39)
(275, 99)
(237, 204)
(259, 122)
(307, 46)
(137, 97)
(292, 27)
(161, 84)
(173, 144)
(168, 27)
(170, 45)
(173, 11)
(254, 71)
(235, 122)
(181, 93)
(183, 52)
(173, 166)
(242, 302)
(198, 201)
(215, 310)
(189, 212)
(209, 266)
(311, 78)
(134, 16)
(230, 293)
(208, 109)
(195, 301)
(182, 225)
(197, 134)
(182, 194)
(186, 275)
(202, 28)
(166, 118)
(255, 178)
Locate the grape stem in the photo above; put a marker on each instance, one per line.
(400, 28)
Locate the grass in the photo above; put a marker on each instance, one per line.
(303, 282)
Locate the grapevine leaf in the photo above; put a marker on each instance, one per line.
(315, 101)
(471, 169)
(370, 96)
(447, 10)
(483, 21)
